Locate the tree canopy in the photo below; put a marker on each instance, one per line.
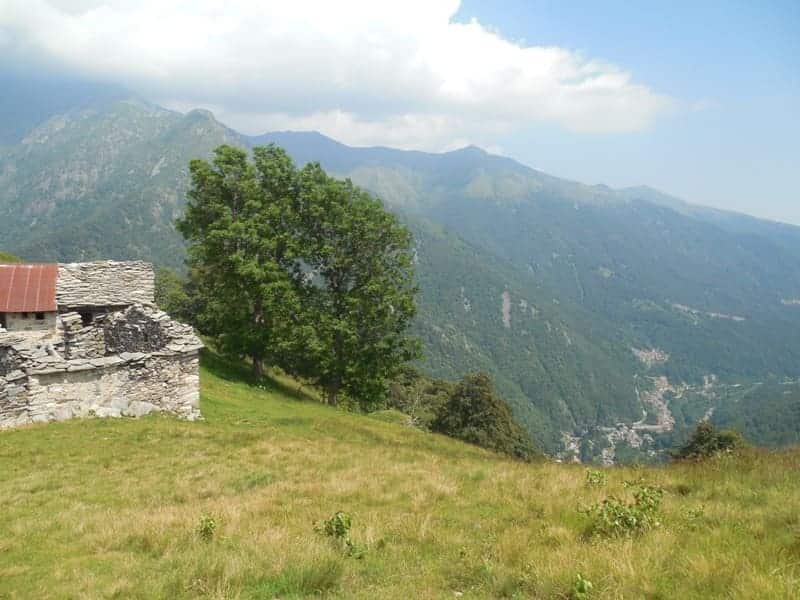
(476, 414)
(295, 268)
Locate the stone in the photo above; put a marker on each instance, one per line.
(131, 359)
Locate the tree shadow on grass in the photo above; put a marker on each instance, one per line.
(230, 369)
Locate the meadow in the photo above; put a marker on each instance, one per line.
(232, 507)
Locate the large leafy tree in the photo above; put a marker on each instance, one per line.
(359, 288)
(241, 250)
(296, 268)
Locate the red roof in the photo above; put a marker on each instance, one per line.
(28, 288)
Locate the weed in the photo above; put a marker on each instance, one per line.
(616, 518)
(595, 477)
(338, 529)
(581, 588)
(206, 528)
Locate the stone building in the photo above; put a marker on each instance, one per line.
(85, 339)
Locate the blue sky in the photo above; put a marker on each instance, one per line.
(735, 68)
(699, 99)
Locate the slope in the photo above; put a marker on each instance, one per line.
(579, 299)
(114, 508)
(108, 180)
(697, 295)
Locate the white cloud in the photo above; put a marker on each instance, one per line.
(396, 73)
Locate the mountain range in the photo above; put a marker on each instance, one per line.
(611, 319)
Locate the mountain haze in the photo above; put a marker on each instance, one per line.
(591, 306)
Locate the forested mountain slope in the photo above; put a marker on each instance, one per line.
(579, 299)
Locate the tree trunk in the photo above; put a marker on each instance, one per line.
(333, 395)
(258, 367)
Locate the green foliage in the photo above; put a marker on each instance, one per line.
(595, 477)
(581, 588)
(171, 295)
(706, 441)
(297, 269)
(419, 396)
(206, 528)
(476, 414)
(359, 295)
(5, 257)
(318, 577)
(337, 527)
(241, 250)
(614, 517)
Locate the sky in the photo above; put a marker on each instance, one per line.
(698, 99)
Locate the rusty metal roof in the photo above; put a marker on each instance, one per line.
(28, 288)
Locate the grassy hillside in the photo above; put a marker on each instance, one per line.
(5, 257)
(111, 508)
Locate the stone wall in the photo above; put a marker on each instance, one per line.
(126, 363)
(29, 322)
(136, 387)
(104, 284)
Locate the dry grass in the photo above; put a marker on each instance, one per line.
(110, 509)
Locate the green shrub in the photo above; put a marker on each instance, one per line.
(595, 477)
(614, 517)
(206, 528)
(706, 441)
(338, 526)
(338, 529)
(474, 413)
(581, 588)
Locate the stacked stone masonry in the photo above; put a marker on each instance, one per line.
(128, 359)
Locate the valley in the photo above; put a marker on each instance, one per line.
(589, 306)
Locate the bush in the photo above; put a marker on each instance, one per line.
(706, 441)
(338, 529)
(418, 396)
(475, 414)
(595, 477)
(581, 588)
(616, 518)
(206, 528)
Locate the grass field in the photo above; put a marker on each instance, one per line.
(111, 509)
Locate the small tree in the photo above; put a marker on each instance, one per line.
(707, 441)
(475, 414)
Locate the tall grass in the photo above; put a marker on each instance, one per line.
(112, 509)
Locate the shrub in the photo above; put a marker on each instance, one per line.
(418, 396)
(614, 517)
(338, 526)
(595, 477)
(706, 441)
(475, 414)
(338, 529)
(581, 588)
(206, 528)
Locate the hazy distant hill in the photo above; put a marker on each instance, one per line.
(575, 297)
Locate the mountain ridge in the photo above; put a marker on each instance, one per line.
(555, 287)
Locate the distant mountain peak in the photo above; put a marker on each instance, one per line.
(471, 149)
